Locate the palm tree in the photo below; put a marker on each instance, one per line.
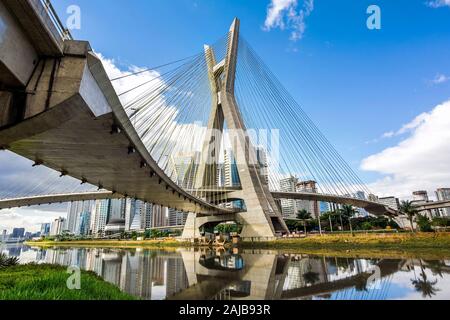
(349, 212)
(423, 285)
(304, 216)
(6, 261)
(407, 208)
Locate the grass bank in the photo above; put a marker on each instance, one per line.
(401, 242)
(49, 282)
(150, 244)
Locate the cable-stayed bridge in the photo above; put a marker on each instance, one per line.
(214, 134)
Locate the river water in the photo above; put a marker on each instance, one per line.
(206, 274)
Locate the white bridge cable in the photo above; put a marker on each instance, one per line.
(19, 179)
(304, 152)
(171, 117)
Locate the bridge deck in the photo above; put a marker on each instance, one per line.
(74, 136)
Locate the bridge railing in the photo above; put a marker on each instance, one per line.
(62, 30)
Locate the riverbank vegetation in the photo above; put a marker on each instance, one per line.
(150, 244)
(49, 282)
(392, 241)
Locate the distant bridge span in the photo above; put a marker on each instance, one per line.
(372, 207)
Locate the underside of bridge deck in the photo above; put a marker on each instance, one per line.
(79, 128)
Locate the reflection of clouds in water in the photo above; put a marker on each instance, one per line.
(157, 275)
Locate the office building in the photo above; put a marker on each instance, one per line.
(58, 227)
(100, 217)
(420, 196)
(76, 210)
(310, 206)
(18, 233)
(262, 164)
(443, 194)
(45, 229)
(288, 206)
(231, 171)
(391, 202)
(159, 217)
(84, 224)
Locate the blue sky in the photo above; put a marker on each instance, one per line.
(382, 97)
(356, 84)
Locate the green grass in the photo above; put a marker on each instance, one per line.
(48, 282)
(403, 241)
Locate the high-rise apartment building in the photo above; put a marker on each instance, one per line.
(443, 194)
(159, 216)
(45, 229)
(288, 206)
(231, 171)
(420, 196)
(58, 226)
(100, 217)
(391, 202)
(76, 210)
(310, 206)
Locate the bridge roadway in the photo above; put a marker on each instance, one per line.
(72, 120)
(372, 207)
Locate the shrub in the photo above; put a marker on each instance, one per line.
(441, 222)
(424, 223)
(6, 261)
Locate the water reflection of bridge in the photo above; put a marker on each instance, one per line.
(271, 276)
(204, 274)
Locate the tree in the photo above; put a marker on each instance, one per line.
(304, 216)
(424, 223)
(407, 208)
(349, 212)
(423, 285)
(6, 261)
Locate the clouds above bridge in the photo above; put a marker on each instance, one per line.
(419, 162)
(289, 15)
(438, 3)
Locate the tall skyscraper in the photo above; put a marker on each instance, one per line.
(289, 206)
(45, 229)
(146, 212)
(159, 216)
(263, 165)
(75, 211)
(391, 202)
(84, 224)
(310, 206)
(58, 226)
(100, 216)
(18, 233)
(420, 196)
(443, 194)
(231, 171)
(177, 218)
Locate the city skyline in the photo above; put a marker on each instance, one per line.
(266, 23)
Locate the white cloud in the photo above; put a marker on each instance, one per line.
(29, 218)
(440, 78)
(438, 3)
(421, 161)
(286, 14)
